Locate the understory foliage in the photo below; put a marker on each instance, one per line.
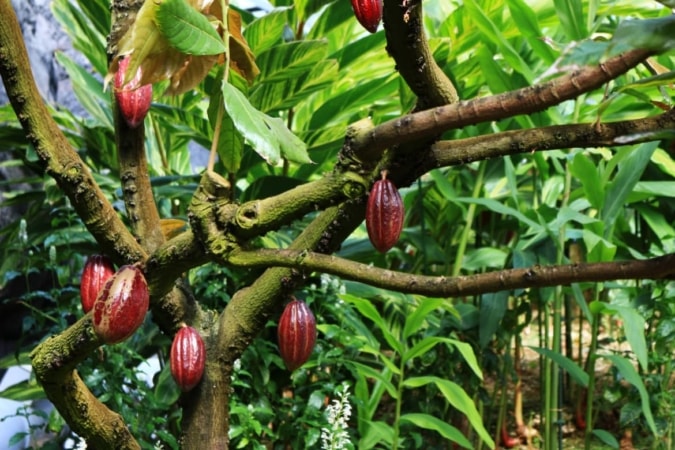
(392, 368)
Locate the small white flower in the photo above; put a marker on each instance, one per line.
(336, 436)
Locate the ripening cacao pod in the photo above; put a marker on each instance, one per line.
(187, 358)
(97, 270)
(133, 100)
(296, 333)
(384, 214)
(121, 305)
(368, 13)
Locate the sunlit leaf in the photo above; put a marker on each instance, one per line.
(267, 30)
(571, 15)
(187, 29)
(292, 148)
(268, 136)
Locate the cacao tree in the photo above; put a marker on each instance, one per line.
(258, 92)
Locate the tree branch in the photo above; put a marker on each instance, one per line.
(54, 363)
(139, 200)
(407, 44)
(662, 267)
(432, 122)
(464, 151)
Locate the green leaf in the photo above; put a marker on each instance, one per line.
(292, 148)
(290, 60)
(656, 221)
(166, 389)
(662, 159)
(13, 359)
(89, 91)
(634, 329)
(630, 374)
(458, 398)
(17, 438)
(187, 29)
(587, 173)
(287, 93)
(230, 141)
(87, 24)
(500, 208)
(268, 136)
(567, 364)
(653, 34)
(493, 33)
(629, 173)
(375, 433)
(492, 310)
(421, 347)
(366, 308)
(26, 390)
(527, 24)
(429, 422)
(599, 249)
(571, 16)
(414, 321)
(484, 257)
(466, 350)
(606, 437)
(305, 8)
(266, 31)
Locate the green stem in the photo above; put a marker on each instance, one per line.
(466, 233)
(590, 369)
(399, 401)
(557, 326)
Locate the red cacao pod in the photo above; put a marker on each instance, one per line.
(97, 270)
(368, 13)
(296, 333)
(133, 100)
(384, 214)
(121, 305)
(187, 358)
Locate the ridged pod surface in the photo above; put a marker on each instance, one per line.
(296, 333)
(368, 13)
(187, 358)
(121, 305)
(384, 214)
(133, 100)
(97, 270)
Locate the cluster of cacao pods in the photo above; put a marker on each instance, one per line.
(296, 334)
(384, 214)
(187, 358)
(133, 100)
(368, 13)
(121, 305)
